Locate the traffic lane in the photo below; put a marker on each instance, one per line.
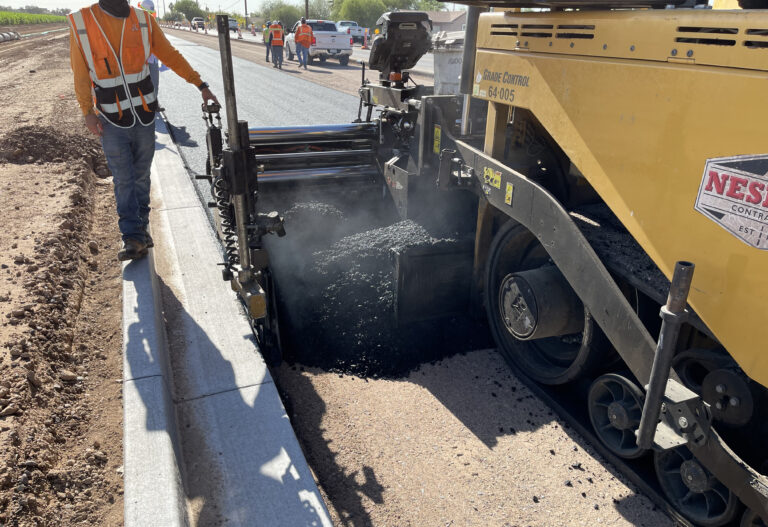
(265, 97)
(331, 74)
(426, 64)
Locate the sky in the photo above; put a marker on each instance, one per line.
(230, 5)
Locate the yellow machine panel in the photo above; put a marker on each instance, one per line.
(640, 101)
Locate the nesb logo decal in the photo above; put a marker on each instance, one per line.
(734, 194)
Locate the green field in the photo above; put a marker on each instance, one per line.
(10, 18)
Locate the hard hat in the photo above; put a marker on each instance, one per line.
(269, 22)
(147, 5)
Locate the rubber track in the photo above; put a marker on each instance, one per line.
(562, 399)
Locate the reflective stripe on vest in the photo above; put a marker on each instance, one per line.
(120, 84)
(277, 35)
(303, 35)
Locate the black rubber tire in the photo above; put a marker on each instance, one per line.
(751, 519)
(609, 388)
(344, 60)
(676, 492)
(310, 60)
(753, 4)
(515, 248)
(290, 53)
(323, 59)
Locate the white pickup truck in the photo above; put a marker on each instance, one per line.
(327, 41)
(351, 28)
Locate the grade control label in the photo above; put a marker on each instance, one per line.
(734, 194)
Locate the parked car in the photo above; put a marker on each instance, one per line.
(233, 25)
(327, 42)
(198, 23)
(352, 29)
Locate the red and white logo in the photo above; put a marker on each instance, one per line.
(734, 194)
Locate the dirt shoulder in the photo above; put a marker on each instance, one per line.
(60, 306)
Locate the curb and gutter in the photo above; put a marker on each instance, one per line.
(206, 437)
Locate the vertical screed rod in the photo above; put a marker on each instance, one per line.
(235, 143)
(673, 314)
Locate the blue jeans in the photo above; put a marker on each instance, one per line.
(277, 55)
(269, 47)
(129, 153)
(303, 54)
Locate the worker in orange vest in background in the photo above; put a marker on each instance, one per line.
(303, 40)
(276, 43)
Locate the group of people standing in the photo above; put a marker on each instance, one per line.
(274, 38)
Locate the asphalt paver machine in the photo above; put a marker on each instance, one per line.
(600, 152)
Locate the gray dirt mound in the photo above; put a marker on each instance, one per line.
(32, 144)
(335, 281)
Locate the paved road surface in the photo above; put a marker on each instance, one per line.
(425, 65)
(282, 99)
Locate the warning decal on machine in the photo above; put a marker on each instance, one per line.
(734, 194)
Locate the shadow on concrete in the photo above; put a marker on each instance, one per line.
(276, 489)
(306, 409)
(181, 136)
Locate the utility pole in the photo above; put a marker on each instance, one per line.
(306, 8)
(246, 14)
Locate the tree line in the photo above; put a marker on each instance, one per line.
(364, 12)
(34, 10)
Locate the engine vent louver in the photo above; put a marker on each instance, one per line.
(757, 44)
(565, 31)
(531, 30)
(699, 38)
(507, 30)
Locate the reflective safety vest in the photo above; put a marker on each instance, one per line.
(277, 35)
(120, 83)
(304, 35)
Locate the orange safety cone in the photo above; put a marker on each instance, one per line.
(365, 39)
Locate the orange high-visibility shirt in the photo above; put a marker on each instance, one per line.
(113, 26)
(304, 35)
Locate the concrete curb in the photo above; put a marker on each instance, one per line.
(153, 491)
(205, 433)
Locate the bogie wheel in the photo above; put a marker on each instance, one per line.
(751, 519)
(550, 360)
(693, 490)
(615, 406)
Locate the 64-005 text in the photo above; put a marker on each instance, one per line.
(505, 94)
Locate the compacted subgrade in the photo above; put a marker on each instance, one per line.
(335, 281)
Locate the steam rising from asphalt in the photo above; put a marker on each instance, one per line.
(335, 285)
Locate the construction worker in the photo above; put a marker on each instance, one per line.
(276, 42)
(116, 95)
(266, 37)
(303, 39)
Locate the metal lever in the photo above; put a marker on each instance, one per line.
(673, 314)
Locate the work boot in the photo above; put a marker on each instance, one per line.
(148, 239)
(132, 250)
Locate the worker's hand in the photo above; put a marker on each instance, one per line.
(94, 124)
(209, 96)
